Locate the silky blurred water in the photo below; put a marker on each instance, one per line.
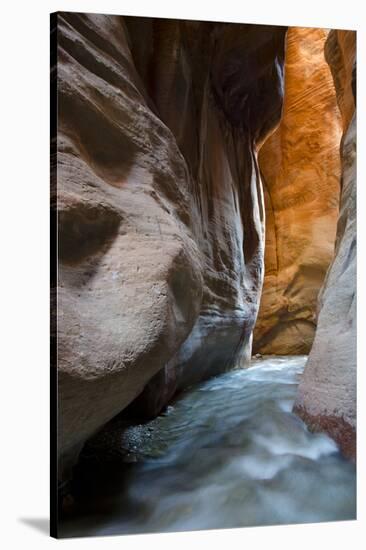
(228, 453)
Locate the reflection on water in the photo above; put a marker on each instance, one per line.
(228, 453)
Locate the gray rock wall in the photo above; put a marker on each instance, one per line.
(160, 208)
(327, 393)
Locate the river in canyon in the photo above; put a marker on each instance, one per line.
(227, 453)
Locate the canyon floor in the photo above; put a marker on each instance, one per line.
(226, 453)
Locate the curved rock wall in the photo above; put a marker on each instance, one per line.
(327, 393)
(300, 166)
(160, 208)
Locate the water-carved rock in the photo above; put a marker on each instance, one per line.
(326, 397)
(160, 207)
(300, 167)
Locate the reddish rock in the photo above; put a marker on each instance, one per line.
(300, 166)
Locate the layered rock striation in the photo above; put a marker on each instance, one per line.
(300, 166)
(326, 397)
(160, 208)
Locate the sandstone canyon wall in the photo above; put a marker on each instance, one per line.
(160, 208)
(327, 393)
(300, 166)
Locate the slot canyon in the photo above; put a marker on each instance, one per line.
(206, 298)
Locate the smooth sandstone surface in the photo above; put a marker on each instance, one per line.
(326, 397)
(300, 166)
(160, 208)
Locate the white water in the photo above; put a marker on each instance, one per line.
(228, 453)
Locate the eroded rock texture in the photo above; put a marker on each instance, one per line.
(160, 208)
(300, 166)
(327, 393)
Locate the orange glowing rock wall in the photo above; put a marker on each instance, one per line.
(300, 166)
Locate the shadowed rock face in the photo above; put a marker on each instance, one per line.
(327, 393)
(300, 166)
(160, 208)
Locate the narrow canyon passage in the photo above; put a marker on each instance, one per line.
(227, 453)
(206, 323)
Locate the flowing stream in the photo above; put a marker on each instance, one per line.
(228, 453)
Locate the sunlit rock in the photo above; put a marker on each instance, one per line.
(300, 165)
